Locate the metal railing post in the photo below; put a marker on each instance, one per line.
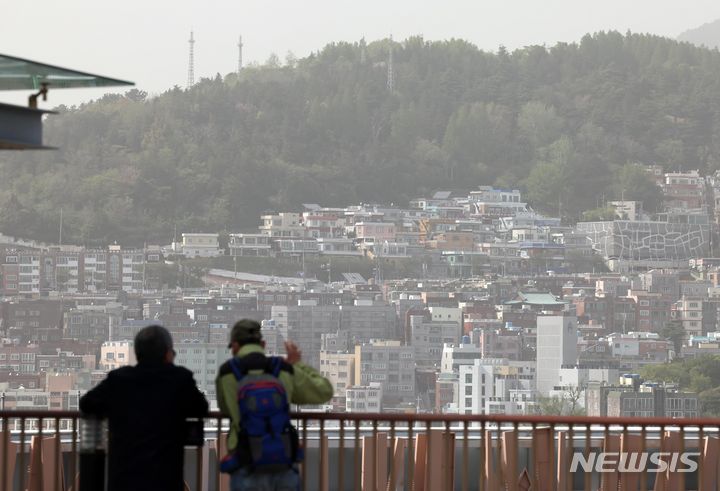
(92, 454)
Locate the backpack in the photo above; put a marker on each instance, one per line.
(267, 440)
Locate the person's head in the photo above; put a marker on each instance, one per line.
(153, 344)
(245, 331)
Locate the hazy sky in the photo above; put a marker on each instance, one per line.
(146, 41)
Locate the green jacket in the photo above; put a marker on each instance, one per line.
(303, 384)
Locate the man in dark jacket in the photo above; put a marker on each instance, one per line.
(146, 406)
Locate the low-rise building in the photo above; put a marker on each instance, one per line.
(200, 245)
(251, 245)
(364, 398)
(282, 225)
(116, 354)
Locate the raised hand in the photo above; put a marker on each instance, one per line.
(294, 354)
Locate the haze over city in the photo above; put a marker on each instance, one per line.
(146, 42)
(441, 246)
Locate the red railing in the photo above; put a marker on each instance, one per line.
(421, 452)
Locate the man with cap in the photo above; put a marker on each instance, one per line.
(303, 385)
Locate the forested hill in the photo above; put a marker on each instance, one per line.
(563, 123)
(706, 35)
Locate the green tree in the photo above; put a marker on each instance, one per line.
(599, 215)
(633, 183)
(565, 404)
(674, 332)
(548, 184)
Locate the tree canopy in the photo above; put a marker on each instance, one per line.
(700, 375)
(564, 123)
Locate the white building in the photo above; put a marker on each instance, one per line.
(29, 273)
(337, 247)
(364, 398)
(557, 339)
(133, 270)
(339, 368)
(454, 356)
(578, 378)
(116, 354)
(200, 245)
(253, 245)
(95, 270)
(496, 385)
(282, 225)
(488, 194)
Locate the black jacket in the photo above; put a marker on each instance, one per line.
(146, 406)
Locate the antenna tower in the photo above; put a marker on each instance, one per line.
(390, 73)
(191, 62)
(240, 47)
(363, 51)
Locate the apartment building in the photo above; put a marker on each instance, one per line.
(389, 363)
(428, 337)
(557, 339)
(203, 359)
(305, 324)
(496, 386)
(116, 354)
(339, 368)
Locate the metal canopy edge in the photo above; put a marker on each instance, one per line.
(21, 74)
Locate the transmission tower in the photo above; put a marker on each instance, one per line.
(191, 62)
(390, 73)
(363, 51)
(240, 47)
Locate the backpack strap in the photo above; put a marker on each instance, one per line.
(274, 365)
(238, 370)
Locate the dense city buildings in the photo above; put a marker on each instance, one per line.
(460, 303)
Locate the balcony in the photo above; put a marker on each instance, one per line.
(40, 450)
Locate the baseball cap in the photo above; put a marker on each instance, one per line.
(245, 331)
